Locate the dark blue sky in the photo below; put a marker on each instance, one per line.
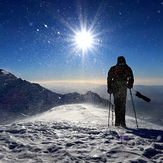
(37, 39)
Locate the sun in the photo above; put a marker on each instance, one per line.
(84, 40)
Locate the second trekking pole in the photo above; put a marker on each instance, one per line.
(134, 108)
(112, 113)
(109, 110)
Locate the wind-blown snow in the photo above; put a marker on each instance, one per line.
(79, 133)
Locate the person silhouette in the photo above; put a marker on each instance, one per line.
(120, 77)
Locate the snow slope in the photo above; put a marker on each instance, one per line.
(79, 133)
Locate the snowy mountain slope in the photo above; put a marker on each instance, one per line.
(79, 133)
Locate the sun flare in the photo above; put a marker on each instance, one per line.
(84, 40)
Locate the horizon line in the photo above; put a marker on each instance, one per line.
(147, 82)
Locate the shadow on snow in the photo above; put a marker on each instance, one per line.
(153, 134)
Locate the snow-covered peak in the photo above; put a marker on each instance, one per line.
(7, 74)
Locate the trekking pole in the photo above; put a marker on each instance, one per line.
(109, 110)
(112, 113)
(134, 108)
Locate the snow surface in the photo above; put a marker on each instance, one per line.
(79, 133)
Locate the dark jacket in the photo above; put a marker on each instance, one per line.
(120, 77)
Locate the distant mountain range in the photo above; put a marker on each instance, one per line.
(19, 98)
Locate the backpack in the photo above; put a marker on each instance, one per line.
(118, 77)
(121, 73)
